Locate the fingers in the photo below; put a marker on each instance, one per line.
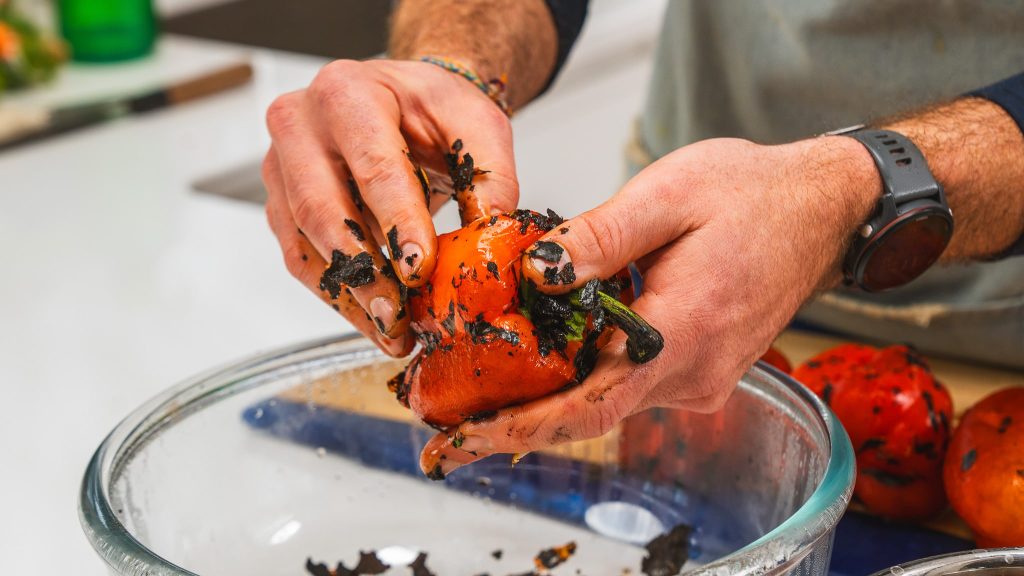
(306, 264)
(687, 298)
(324, 206)
(362, 119)
(589, 410)
(602, 241)
(486, 137)
(483, 171)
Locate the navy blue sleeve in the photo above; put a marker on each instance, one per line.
(1008, 94)
(568, 16)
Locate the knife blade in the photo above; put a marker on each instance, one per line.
(49, 123)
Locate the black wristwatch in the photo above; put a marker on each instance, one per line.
(912, 224)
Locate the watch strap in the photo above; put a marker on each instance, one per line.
(904, 171)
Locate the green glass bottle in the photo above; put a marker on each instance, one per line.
(108, 30)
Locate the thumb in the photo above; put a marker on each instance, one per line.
(600, 242)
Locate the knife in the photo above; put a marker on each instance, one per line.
(36, 125)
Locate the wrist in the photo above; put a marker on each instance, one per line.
(844, 184)
(493, 88)
(975, 150)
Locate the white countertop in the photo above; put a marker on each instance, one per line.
(119, 280)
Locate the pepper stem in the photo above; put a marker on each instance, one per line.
(643, 341)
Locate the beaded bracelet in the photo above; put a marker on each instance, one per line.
(494, 88)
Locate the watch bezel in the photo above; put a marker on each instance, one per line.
(866, 248)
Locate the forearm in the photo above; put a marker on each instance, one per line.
(493, 37)
(976, 151)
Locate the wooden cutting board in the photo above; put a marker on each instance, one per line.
(967, 384)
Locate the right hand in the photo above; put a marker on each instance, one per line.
(358, 122)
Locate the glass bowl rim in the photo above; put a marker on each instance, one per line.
(957, 562)
(122, 552)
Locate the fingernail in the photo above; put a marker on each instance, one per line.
(393, 346)
(383, 311)
(475, 444)
(552, 261)
(410, 260)
(447, 465)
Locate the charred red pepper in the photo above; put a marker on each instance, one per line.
(898, 418)
(984, 469)
(489, 339)
(777, 359)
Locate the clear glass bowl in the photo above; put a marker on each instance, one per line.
(990, 562)
(304, 453)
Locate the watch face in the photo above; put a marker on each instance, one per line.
(905, 249)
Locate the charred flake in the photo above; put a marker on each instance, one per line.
(566, 275)
(527, 217)
(399, 386)
(353, 191)
(553, 557)
(419, 566)
(449, 322)
(492, 268)
(356, 229)
(430, 341)
(461, 170)
(369, 564)
(347, 271)
(586, 356)
(396, 250)
(547, 251)
(667, 553)
(388, 270)
(483, 332)
(481, 416)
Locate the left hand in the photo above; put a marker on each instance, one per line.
(732, 238)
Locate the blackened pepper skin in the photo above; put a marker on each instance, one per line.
(344, 270)
(356, 229)
(667, 553)
(396, 250)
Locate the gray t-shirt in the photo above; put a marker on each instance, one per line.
(775, 71)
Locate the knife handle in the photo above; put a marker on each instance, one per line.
(212, 83)
(217, 81)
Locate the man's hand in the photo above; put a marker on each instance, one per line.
(732, 238)
(342, 180)
(342, 172)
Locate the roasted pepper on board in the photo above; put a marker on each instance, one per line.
(984, 469)
(898, 418)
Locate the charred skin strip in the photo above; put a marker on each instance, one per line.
(344, 270)
(356, 229)
(667, 553)
(396, 250)
(586, 356)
